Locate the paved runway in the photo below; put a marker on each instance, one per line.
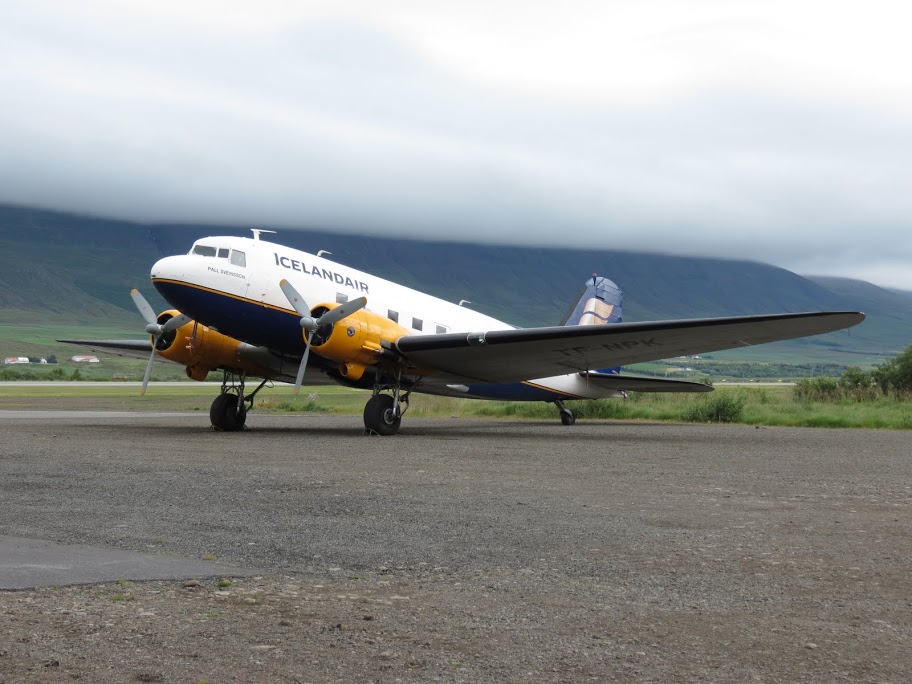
(307, 493)
(722, 552)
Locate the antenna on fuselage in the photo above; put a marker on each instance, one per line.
(322, 252)
(463, 302)
(259, 231)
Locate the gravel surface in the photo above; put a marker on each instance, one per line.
(464, 551)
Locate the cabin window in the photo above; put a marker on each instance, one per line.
(442, 329)
(204, 250)
(341, 298)
(393, 316)
(417, 324)
(223, 253)
(238, 258)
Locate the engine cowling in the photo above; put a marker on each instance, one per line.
(205, 351)
(355, 341)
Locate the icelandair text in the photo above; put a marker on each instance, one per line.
(322, 273)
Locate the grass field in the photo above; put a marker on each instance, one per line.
(744, 405)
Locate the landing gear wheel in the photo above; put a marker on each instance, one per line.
(567, 417)
(380, 415)
(225, 415)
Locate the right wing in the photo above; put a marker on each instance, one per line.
(520, 354)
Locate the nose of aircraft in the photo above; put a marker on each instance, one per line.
(169, 267)
(170, 276)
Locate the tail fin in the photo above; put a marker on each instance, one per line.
(600, 302)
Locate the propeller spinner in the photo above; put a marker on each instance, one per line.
(312, 325)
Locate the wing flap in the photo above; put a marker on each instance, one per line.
(518, 354)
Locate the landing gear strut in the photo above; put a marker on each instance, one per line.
(566, 415)
(228, 412)
(383, 412)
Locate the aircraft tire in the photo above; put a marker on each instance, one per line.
(567, 418)
(224, 414)
(378, 415)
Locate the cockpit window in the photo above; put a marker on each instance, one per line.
(237, 258)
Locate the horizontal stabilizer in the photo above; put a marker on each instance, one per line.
(611, 381)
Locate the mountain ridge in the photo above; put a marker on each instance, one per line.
(65, 267)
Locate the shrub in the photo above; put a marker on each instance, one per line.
(896, 374)
(854, 386)
(725, 407)
(817, 389)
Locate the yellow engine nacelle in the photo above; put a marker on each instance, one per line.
(355, 341)
(202, 352)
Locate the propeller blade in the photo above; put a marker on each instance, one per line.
(342, 311)
(145, 382)
(176, 322)
(295, 299)
(144, 309)
(300, 378)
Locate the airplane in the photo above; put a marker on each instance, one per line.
(251, 308)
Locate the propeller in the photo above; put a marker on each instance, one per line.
(312, 325)
(155, 329)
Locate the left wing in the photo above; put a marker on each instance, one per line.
(514, 355)
(140, 349)
(135, 349)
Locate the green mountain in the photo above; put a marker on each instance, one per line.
(67, 269)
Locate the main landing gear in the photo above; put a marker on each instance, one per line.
(566, 415)
(228, 412)
(383, 412)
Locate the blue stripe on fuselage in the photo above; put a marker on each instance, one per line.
(242, 319)
(514, 391)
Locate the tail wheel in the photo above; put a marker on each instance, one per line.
(381, 415)
(225, 414)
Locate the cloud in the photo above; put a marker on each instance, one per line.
(359, 123)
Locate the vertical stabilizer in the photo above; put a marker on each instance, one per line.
(600, 302)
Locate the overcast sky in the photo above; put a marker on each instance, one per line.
(779, 131)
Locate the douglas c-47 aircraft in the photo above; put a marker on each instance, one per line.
(249, 307)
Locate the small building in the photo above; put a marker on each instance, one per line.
(84, 358)
(9, 360)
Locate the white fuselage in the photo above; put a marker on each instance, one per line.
(232, 284)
